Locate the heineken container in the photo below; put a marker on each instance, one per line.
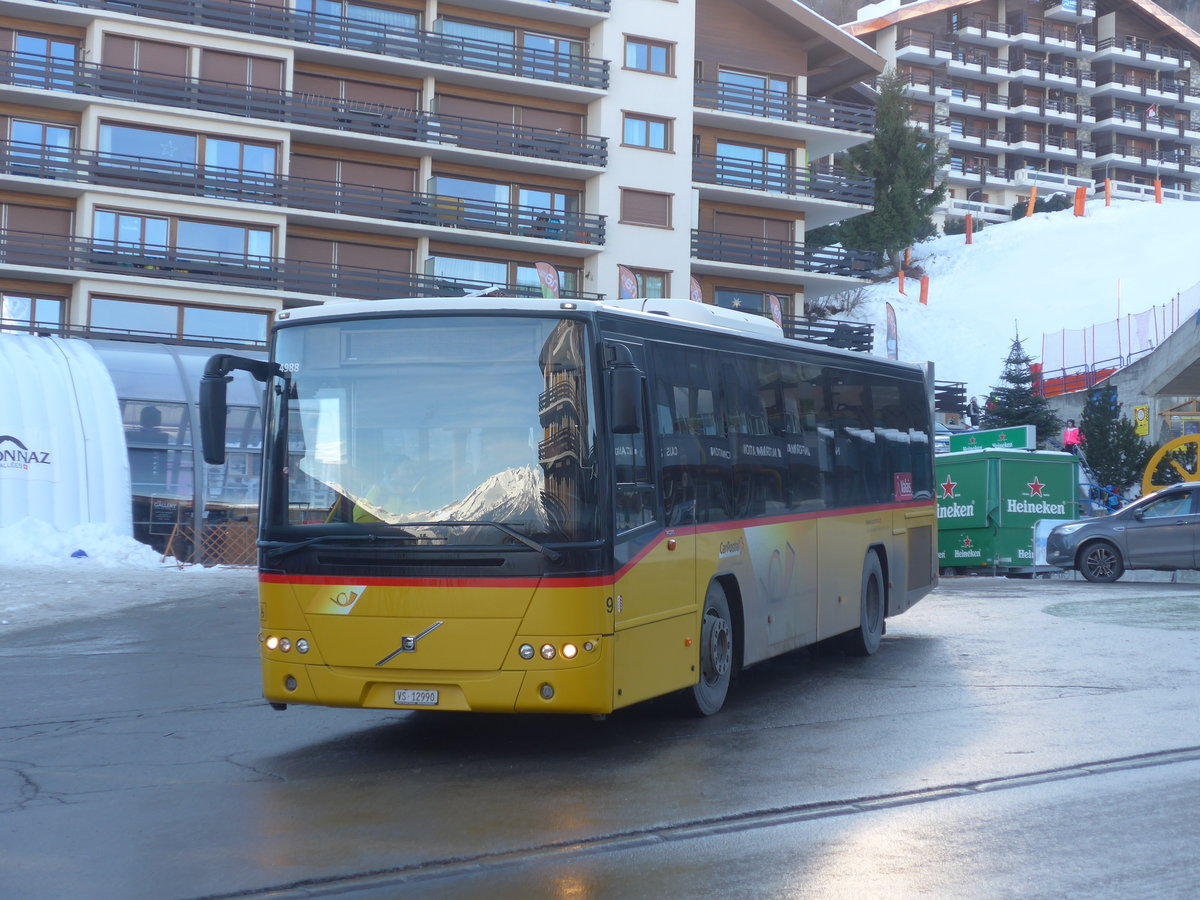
(990, 500)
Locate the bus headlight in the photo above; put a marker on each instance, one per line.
(569, 651)
(548, 651)
(272, 643)
(526, 651)
(302, 646)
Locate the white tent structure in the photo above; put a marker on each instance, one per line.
(63, 457)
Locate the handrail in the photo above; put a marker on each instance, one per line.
(820, 182)
(786, 107)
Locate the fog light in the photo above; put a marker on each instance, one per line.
(289, 683)
(285, 645)
(302, 646)
(526, 651)
(546, 691)
(589, 646)
(272, 642)
(548, 651)
(569, 651)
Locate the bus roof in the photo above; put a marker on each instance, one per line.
(679, 311)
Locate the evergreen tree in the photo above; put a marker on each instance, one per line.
(1015, 402)
(1115, 453)
(903, 159)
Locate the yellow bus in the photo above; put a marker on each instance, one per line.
(571, 506)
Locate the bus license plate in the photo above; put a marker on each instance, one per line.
(416, 698)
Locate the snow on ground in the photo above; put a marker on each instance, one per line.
(42, 582)
(1037, 275)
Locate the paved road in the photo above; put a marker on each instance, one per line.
(1011, 739)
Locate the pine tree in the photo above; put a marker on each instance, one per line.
(904, 160)
(1115, 453)
(1015, 402)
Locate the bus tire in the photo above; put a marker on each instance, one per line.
(707, 695)
(864, 640)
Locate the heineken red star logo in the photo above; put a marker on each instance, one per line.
(948, 487)
(1036, 488)
(966, 542)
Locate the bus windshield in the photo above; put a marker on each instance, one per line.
(423, 422)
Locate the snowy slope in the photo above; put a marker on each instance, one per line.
(1036, 275)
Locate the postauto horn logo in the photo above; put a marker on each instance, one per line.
(15, 455)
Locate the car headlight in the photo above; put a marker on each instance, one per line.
(1070, 529)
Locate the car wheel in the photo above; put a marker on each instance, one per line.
(1101, 561)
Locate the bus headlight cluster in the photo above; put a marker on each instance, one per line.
(284, 645)
(548, 651)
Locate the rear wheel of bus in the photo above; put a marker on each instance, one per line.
(864, 640)
(716, 655)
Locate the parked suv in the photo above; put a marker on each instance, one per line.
(1159, 531)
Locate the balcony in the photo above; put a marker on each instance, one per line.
(1147, 123)
(407, 207)
(750, 251)
(1143, 86)
(981, 31)
(1051, 37)
(1056, 75)
(963, 136)
(923, 49)
(1054, 146)
(975, 64)
(970, 100)
(368, 119)
(1148, 161)
(822, 192)
(829, 127)
(976, 174)
(396, 43)
(1180, 93)
(252, 273)
(1134, 50)
(1054, 111)
(924, 86)
(978, 210)
(1070, 10)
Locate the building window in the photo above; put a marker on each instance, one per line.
(44, 62)
(541, 54)
(644, 55)
(18, 312)
(754, 94)
(489, 203)
(746, 301)
(649, 132)
(154, 235)
(188, 150)
(359, 13)
(645, 208)
(501, 273)
(178, 320)
(651, 283)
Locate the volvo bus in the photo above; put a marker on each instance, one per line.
(572, 506)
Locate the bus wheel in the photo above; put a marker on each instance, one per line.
(864, 640)
(716, 655)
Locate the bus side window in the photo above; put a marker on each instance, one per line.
(635, 486)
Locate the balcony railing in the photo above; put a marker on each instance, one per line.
(20, 248)
(1144, 48)
(300, 109)
(1045, 70)
(984, 26)
(1052, 31)
(817, 182)
(117, 170)
(751, 251)
(857, 336)
(372, 37)
(786, 107)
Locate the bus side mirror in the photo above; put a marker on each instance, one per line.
(212, 417)
(625, 393)
(212, 399)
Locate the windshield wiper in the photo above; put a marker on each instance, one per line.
(549, 552)
(278, 548)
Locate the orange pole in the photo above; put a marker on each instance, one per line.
(1080, 200)
(968, 226)
(907, 256)
(1032, 201)
(902, 282)
(1108, 192)
(1158, 190)
(925, 290)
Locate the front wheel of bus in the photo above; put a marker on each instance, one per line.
(864, 640)
(716, 655)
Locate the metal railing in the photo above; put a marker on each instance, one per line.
(1143, 47)
(297, 108)
(58, 329)
(118, 170)
(1080, 5)
(786, 107)
(372, 37)
(752, 251)
(1044, 70)
(1053, 31)
(51, 251)
(982, 24)
(818, 182)
(858, 336)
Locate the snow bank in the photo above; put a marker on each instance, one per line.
(34, 543)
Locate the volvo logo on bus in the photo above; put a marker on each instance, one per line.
(408, 644)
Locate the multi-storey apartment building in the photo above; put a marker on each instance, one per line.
(186, 170)
(1056, 93)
